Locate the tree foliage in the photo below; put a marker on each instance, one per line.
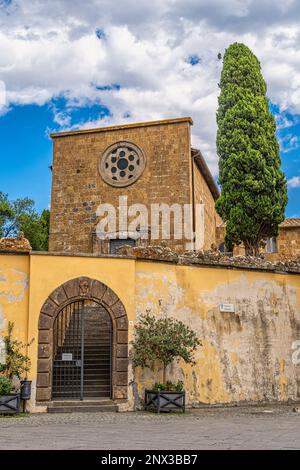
(5, 386)
(16, 363)
(163, 340)
(36, 229)
(254, 193)
(21, 216)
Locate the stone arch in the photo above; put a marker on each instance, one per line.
(73, 290)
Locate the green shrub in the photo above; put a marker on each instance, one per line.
(168, 386)
(163, 340)
(16, 363)
(5, 386)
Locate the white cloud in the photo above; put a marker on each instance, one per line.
(294, 182)
(50, 49)
(2, 95)
(289, 142)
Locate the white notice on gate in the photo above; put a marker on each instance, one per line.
(67, 357)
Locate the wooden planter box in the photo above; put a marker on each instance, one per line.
(10, 404)
(163, 400)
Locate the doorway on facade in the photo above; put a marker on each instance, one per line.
(82, 352)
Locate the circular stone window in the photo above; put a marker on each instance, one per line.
(122, 164)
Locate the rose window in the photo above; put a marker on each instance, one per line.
(122, 164)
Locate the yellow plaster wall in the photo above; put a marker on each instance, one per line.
(14, 294)
(246, 355)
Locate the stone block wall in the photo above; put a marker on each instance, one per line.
(204, 196)
(288, 242)
(78, 189)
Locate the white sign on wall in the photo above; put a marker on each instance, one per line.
(227, 308)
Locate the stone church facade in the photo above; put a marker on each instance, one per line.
(148, 163)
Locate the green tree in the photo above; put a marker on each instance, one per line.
(16, 363)
(12, 213)
(164, 340)
(5, 211)
(20, 216)
(36, 229)
(254, 192)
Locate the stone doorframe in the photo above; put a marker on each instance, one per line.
(72, 291)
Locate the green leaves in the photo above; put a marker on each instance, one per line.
(36, 229)
(163, 339)
(5, 386)
(254, 193)
(16, 363)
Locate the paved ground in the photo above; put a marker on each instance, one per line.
(226, 428)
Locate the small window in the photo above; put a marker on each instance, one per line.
(222, 248)
(114, 245)
(224, 251)
(271, 245)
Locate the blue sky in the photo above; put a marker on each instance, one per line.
(111, 62)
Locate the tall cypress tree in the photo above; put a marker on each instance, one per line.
(254, 192)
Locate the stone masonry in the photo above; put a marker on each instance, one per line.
(169, 176)
(78, 189)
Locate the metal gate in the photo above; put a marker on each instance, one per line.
(82, 337)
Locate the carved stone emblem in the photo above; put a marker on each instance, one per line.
(84, 287)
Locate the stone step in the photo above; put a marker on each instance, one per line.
(93, 408)
(95, 383)
(97, 349)
(87, 340)
(96, 365)
(97, 373)
(73, 402)
(97, 393)
(87, 354)
(87, 335)
(96, 360)
(88, 358)
(74, 345)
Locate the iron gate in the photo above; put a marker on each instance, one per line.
(82, 337)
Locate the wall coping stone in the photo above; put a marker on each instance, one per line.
(15, 245)
(189, 258)
(122, 126)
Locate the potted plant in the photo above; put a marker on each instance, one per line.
(163, 340)
(9, 402)
(16, 365)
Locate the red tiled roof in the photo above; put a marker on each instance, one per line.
(287, 223)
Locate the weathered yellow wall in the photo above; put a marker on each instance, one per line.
(246, 355)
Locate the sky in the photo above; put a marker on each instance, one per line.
(68, 64)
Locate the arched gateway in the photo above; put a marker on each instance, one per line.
(82, 343)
